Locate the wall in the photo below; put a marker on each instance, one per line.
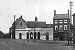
(42, 31)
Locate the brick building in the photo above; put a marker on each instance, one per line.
(73, 28)
(61, 24)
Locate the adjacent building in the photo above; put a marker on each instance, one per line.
(73, 28)
(21, 29)
(61, 26)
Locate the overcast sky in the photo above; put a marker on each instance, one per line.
(43, 9)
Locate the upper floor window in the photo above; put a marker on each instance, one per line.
(65, 27)
(56, 21)
(56, 27)
(60, 21)
(60, 27)
(65, 21)
(21, 23)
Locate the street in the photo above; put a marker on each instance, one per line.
(11, 44)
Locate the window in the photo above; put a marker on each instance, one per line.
(60, 27)
(21, 23)
(56, 21)
(65, 27)
(65, 21)
(56, 27)
(60, 21)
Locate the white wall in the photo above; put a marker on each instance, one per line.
(23, 34)
(41, 30)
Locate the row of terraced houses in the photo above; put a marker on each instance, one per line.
(59, 30)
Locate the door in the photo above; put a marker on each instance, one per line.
(38, 35)
(20, 36)
(34, 35)
(31, 35)
(47, 36)
(27, 35)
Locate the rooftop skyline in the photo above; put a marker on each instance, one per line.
(43, 9)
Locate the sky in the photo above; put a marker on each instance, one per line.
(43, 9)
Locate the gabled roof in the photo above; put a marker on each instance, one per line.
(74, 14)
(60, 16)
(32, 24)
(17, 21)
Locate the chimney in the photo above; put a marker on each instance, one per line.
(68, 13)
(14, 18)
(21, 16)
(35, 18)
(54, 12)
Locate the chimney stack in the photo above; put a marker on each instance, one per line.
(68, 13)
(35, 18)
(54, 12)
(21, 16)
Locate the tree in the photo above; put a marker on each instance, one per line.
(7, 35)
(1, 34)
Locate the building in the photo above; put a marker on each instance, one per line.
(73, 28)
(61, 26)
(21, 29)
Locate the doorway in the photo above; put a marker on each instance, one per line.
(38, 35)
(34, 35)
(27, 35)
(20, 36)
(31, 35)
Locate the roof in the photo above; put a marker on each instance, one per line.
(60, 16)
(17, 21)
(49, 25)
(74, 14)
(32, 24)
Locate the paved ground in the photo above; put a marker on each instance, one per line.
(8, 44)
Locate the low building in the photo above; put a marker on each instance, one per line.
(31, 30)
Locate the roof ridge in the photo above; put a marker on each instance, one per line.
(60, 16)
